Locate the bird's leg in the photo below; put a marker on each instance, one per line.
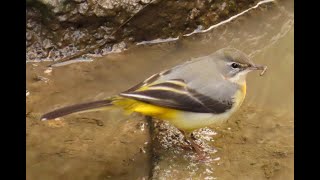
(189, 146)
(189, 138)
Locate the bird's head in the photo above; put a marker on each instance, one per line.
(234, 65)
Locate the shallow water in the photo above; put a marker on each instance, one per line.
(256, 143)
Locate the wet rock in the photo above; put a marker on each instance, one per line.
(173, 157)
(145, 1)
(30, 24)
(82, 23)
(194, 13)
(47, 44)
(119, 47)
(28, 36)
(223, 6)
(54, 26)
(83, 8)
(63, 17)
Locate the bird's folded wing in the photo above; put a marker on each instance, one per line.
(176, 94)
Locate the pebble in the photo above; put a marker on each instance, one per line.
(28, 36)
(83, 8)
(47, 44)
(48, 71)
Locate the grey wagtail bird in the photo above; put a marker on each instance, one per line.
(192, 95)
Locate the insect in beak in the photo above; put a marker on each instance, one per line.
(263, 68)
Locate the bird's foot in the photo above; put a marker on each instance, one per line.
(202, 156)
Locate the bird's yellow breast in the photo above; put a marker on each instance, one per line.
(244, 89)
(239, 96)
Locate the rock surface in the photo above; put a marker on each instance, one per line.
(58, 28)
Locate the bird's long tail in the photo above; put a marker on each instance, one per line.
(77, 108)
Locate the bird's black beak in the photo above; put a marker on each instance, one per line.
(263, 68)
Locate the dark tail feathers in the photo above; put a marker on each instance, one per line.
(76, 108)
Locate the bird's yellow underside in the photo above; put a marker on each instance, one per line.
(130, 105)
(244, 90)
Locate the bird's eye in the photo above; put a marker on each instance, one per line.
(235, 65)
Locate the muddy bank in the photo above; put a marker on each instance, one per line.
(56, 29)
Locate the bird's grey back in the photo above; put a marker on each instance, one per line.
(202, 74)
